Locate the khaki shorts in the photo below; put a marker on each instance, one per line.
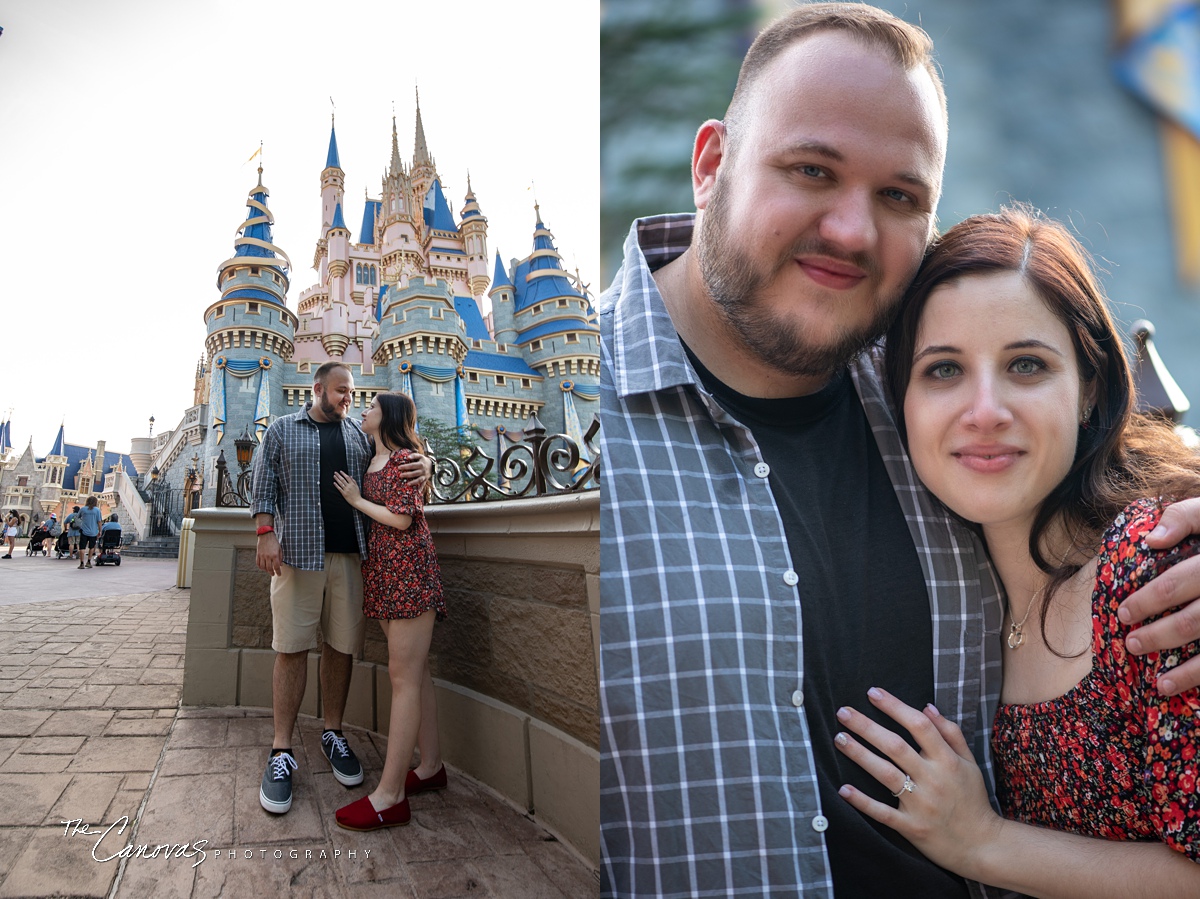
(333, 599)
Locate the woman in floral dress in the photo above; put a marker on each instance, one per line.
(1016, 402)
(402, 588)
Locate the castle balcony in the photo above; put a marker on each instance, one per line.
(236, 337)
(422, 343)
(502, 407)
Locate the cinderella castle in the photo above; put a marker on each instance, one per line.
(401, 305)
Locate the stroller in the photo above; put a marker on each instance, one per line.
(109, 549)
(62, 545)
(38, 541)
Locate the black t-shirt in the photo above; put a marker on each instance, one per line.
(337, 515)
(864, 608)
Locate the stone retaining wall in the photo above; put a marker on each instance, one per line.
(515, 663)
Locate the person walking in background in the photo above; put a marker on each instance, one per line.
(402, 589)
(89, 529)
(72, 524)
(12, 527)
(311, 541)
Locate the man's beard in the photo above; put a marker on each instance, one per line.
(328, 409)
(735, 284)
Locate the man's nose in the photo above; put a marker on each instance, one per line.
(850, 221)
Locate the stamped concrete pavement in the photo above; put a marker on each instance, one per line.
(112, 790)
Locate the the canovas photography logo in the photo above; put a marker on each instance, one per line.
(107, 853)
(108, 846)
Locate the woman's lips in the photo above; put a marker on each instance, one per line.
(988, 460)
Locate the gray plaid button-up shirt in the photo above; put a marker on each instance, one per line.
(707, 780)
(286, 484)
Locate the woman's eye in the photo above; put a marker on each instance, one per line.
(812, 171)
(943, 370)
(1027, 366)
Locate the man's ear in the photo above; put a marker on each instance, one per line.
(707, 155)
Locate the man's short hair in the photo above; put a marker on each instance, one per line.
(327, 369)
(905, 44)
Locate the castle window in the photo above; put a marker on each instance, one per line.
(525, 382)
(254, 270)
(252, 308)
(476, 344)
(535, 345)
(572, 337)
(276, 278)
(562, 304)
(21, 482)
(473, 377)
(373, 273)
(500, 380)
(220, 313)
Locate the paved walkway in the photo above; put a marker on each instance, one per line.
(91, 732)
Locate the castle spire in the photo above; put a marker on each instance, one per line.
(420, 149)
(253, 247)
(59, 448)
(396, 165)
(500, 278)
(331, 158)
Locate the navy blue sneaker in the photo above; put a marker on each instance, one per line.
(275, 794)
(346, 767)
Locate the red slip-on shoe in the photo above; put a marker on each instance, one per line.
(361, 815)
(414, 784)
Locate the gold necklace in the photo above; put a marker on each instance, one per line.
(1016, 636)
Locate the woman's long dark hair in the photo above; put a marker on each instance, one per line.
(398, 421)
(1121, 456)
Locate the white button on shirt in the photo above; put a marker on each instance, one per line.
(820, 824)
(798, 699)
(791, 578)
(762, 469)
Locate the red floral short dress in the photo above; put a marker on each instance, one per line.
(1110, 757)
(401, 577)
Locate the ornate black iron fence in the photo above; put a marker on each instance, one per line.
(540, 465)
(166, 510)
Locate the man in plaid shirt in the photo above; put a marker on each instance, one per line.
(312, 542)
(767, 553)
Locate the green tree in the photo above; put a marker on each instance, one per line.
(665, 67)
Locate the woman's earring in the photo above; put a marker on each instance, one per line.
(1083, 419)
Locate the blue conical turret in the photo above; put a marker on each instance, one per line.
(59, 448)
(437, 211)
(339, 220)
(258, 269)
(500, 278)
(331, 158)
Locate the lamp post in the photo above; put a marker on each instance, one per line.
(189, 483)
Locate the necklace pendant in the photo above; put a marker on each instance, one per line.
(1015, 636)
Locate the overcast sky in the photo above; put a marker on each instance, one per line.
(125, 127)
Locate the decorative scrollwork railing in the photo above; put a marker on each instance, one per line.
(540, 465)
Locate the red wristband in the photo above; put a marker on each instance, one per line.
(266, 529)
